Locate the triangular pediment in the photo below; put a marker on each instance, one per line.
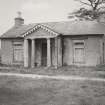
(40, 31)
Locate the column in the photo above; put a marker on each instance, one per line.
(56, 52)
(25, 53)
(48, 53)
(59, 52)
(33, 54)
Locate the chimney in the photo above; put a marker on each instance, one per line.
(19, 20)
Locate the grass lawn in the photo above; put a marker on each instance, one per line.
(98, 71)
(27, 91)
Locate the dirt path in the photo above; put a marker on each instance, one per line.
(58, 77)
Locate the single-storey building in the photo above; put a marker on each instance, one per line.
(54, 44)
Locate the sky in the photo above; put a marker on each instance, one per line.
(34, 11)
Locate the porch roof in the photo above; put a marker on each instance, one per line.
(64, 28)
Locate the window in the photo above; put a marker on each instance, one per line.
(18, 51)
(79, 51)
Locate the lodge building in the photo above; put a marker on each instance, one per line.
(77, 42)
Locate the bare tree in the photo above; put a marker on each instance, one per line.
(97, 8)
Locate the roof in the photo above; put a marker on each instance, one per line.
(17, 31)
(63, 27)
(77, 27)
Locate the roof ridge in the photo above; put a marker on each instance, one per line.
(66, 21)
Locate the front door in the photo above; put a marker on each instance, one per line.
(44, 54)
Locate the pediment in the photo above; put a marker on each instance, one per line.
(40, 31)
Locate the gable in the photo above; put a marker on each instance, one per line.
(40, 31)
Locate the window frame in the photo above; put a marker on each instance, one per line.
(76, 46)
(16, 45)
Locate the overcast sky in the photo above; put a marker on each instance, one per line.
(34, 11)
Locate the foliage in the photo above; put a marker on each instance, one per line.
(97, 8)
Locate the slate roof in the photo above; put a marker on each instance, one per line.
(77, 27)
(64, 28)
(17, 31)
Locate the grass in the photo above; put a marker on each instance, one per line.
(27, 91)
(98, 71)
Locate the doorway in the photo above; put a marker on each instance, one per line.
(44, 54)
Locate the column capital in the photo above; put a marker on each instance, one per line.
(48, 38)
(32, 39)
(25, 40)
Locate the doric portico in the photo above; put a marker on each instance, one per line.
(35, 55)
(40, 48)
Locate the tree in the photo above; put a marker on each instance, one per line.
(97, 8)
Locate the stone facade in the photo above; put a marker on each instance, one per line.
(7, 51)
(93, 52)
(56, 51)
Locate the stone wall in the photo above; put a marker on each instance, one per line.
(67, 51)
(7, 51)
(93, 51)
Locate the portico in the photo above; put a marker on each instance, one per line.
(31, 52)
(42, 47)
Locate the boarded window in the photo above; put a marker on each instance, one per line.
(18, 51)
(79, 53)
